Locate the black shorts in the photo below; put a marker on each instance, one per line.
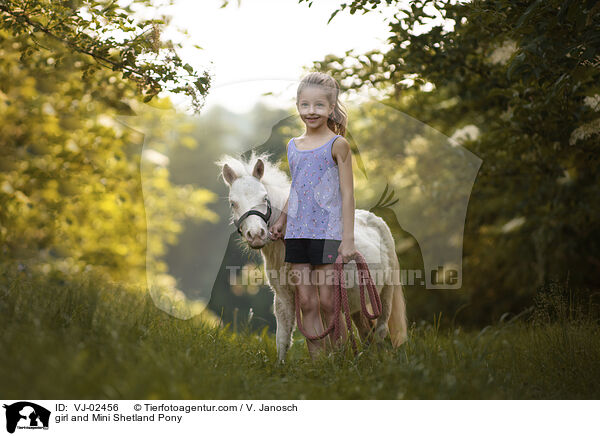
(313, 251)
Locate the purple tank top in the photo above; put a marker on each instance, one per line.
(315, 202)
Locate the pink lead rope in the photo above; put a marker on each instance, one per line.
(341, 299)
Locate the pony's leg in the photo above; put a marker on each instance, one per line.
(283, 304)
(364, 326)
(381, 327)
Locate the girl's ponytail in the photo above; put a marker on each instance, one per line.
(338, 119)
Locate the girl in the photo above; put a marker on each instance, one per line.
(317, 220)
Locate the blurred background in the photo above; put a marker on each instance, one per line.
(113, 113)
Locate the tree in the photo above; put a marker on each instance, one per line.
(526, 76)
(110, 36)
(70, 185)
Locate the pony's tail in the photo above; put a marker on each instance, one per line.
(397, 323)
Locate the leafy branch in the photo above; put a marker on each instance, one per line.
(91, 28)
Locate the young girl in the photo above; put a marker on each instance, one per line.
(317, 220)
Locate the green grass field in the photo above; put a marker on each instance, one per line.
(84, 339)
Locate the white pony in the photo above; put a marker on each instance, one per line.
(259, 186)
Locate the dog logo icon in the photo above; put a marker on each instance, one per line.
(26, 415)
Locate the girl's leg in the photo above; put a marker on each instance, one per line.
(309, 306)
(324, 280)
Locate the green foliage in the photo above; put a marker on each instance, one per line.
(526, 75)
(109, 35)
(70, 183)
(84, 338)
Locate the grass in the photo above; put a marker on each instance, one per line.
(86, 339)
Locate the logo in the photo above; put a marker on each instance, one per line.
(26, 415)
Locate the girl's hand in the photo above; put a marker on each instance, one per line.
(347, 250)
(277, 230)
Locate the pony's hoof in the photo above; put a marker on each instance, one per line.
(381, 333)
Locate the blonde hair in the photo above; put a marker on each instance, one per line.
(338, 119)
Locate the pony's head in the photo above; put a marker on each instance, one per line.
(248, 190)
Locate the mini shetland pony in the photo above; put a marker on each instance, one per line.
(259, 185)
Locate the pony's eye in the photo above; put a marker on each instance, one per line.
(233, 204)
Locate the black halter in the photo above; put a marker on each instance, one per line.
(266, 217)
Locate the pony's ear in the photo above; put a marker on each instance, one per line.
(259, 169)
(229, 175)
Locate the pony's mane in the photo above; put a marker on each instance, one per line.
(273, 176)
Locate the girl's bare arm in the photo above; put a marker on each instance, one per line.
(283, 215)
(277, 229)
(343, 156)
